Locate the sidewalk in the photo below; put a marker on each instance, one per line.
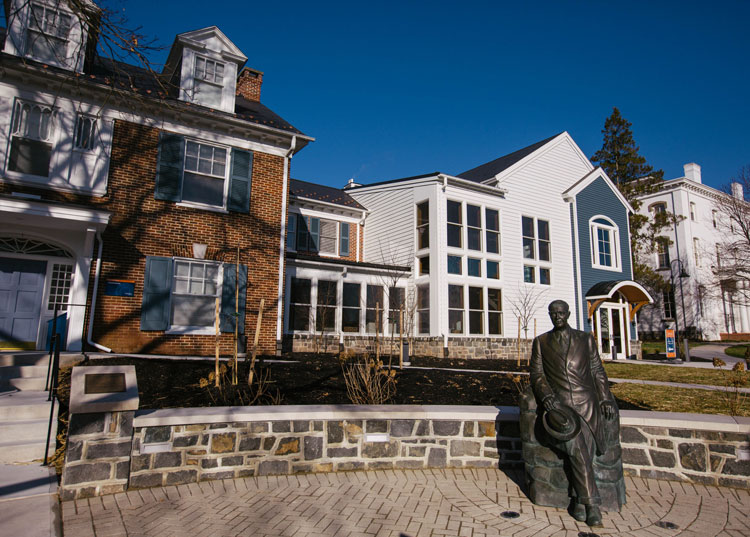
(28, 501)
(398, 503)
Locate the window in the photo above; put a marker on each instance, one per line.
(396, 304)
(203, 174)
(473, 227)
(605, 243)
(692, 211)
(456, 309)
(492, 223)
(196, 288)
(454, 224)
(209, 82)
(494, 312)
(474, 267)
(59, 289)
(48, 34)
(85, 133)
(344, 239)
(351, 307)
(662, 253)
(424, 265)
(291, 232)
(658, 208)
(669, 304)
(718, 255)
(454, 264)
(299, 304)
(374, 313)
(536, 247)
(696, 251)
(714, 215)
(315, 235)
(325, 317)
(476, 310)
(493, 270)
(31, 138)
(328, 229)
(423, 309)
(423, 225)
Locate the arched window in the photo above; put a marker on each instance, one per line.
(605, 243)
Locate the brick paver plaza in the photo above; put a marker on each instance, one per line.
(398, 502)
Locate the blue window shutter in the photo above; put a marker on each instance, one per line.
(240, 181)
(157, 290)
(291, 232)
(169, 167)
(314, 234)
(226, 321)
(344, 240)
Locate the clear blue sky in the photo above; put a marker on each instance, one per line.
(392, 89)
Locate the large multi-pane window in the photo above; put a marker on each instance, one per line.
(374, 313)
(456, 309)
(350, 308)
(59, 290)
(396, 306)
(605, 243)
(492, 225)
(476, 310)
(299, 304)
(423, 225)
(473, 227)
(194, 293)
(536, 250)
(48, 33)
(32, 136)
(423, 309)
(205, 173)
(325, 313)
(455, 228)
(494, 312)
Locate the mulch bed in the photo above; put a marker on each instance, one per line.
(316, 379)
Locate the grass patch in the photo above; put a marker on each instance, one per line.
(668, 399)
(664, 373)
(738, 351)
(658, 346)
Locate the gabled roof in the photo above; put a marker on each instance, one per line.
(592, 176)
(327, 194)
(491, 169)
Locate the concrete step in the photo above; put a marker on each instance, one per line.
(23, 405)
(24, 358)
(23, 371)
(15, 452)
(24, 431)
(24, 384)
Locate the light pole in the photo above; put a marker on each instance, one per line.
(682, 274)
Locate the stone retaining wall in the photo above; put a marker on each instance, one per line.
(175, 446)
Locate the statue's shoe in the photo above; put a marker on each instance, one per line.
(578, 511)
(593, 516)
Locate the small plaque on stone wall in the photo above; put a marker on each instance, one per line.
(104, 383)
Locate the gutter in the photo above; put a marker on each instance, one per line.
(89, 339)
(282, 241)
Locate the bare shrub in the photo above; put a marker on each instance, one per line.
(259, 392)
(367, 381)
(734, 380)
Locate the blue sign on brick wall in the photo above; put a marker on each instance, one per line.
(120, 288)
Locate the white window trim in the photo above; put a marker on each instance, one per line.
(52, 139)
(491, 284)
(535, 262)
(194, 330)
(227, 170)
(614, 241)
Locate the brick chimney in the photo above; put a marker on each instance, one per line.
(693, 172)
(249, 83)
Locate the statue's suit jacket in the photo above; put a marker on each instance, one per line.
(576, 377)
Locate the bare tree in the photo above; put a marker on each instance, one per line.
(525, 305)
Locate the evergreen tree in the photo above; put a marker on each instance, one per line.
(634, 177)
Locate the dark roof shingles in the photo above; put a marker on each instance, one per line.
(328, 194)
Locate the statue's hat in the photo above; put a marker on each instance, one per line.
(561, 423)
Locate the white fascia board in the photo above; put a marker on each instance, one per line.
(308, 206)
(60, 212)
(590, 178)
(564, 136)
(437, 178)
(196, 39)
(332, 266)
(471, 185)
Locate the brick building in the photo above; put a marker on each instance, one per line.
(127, 196)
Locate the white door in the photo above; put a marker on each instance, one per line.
(611, 330)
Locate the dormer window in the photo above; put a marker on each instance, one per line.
(31, 139)
(209, 81)
(48, 32)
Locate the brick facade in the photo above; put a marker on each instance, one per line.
(143, 226)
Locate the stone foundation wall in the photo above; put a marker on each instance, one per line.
(97, 455)
(171, 446)
(469, 348)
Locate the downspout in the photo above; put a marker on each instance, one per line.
(282, 244)
(89, 339)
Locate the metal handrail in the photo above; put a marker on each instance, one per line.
(52, 371)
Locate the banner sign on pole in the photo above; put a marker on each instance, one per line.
(670, 342)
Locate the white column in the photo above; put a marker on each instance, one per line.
(79, 292)
(742, 306)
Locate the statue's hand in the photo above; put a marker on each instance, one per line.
(608, 409)
(550, 403)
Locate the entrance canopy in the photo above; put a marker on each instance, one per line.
(633, 292)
